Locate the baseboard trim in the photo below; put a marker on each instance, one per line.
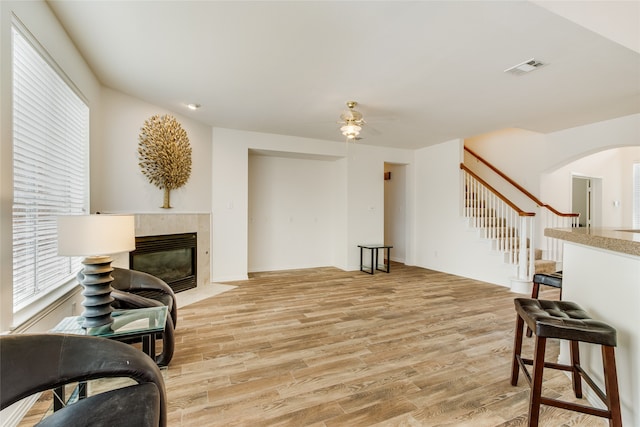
(229, 278)
(520, 286)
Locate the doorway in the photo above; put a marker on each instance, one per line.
(586, 200)
(395, 211)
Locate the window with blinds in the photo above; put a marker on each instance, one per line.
(636, 195)
(50, 170)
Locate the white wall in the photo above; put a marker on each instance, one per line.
(230, 193)
(365, 201)
(365, 167)
(292, 211)
(525, 155)
(521, 200)
(613, 167)
(117, 183)
(444, 240)
(506, 150)
(571, 144)
(437, 205)
(395, 211)
(605, 284)
(229, 206)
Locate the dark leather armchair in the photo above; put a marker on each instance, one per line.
(32, 363)
(136, 289)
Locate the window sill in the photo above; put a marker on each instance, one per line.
(28, 317)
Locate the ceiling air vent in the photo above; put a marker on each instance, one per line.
(524, 67)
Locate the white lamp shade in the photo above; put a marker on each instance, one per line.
(93, 235)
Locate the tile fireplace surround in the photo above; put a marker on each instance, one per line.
(157, 224)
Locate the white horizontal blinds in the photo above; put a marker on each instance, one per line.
(636, 195)
(50, 145)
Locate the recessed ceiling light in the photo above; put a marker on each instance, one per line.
(193, 106)
(524, 67)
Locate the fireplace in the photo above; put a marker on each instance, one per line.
(171, 257)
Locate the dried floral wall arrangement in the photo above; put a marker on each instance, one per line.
(164, 154)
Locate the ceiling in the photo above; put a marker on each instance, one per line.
(422, 72)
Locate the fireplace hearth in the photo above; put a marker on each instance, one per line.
(171, 257)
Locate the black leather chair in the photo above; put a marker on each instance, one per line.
(32, 363)
(136, 289)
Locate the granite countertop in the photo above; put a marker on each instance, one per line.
(626, 241)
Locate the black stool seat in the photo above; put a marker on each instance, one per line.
(564, 320)
(549, 279)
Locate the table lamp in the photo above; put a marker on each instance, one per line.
(96, 237)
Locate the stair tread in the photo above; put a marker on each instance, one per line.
(545, 266)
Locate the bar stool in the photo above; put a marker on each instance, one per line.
(565, 320)
(549, 279)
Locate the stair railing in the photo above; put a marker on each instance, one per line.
(511, 228)
(549, 216)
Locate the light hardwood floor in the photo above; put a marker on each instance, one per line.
(324, 347)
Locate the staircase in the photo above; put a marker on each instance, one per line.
(543, 265)
(506, 239)
(511, 229)
(490, 213)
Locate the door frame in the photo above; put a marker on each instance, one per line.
(593, 202)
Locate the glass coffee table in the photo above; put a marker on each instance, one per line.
(142, 324)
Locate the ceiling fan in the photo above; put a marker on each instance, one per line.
(351, 121)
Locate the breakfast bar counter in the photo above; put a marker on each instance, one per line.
(624, 241)
(601, 272)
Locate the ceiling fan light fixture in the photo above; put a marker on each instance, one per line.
(351, 131)
(351, 121)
